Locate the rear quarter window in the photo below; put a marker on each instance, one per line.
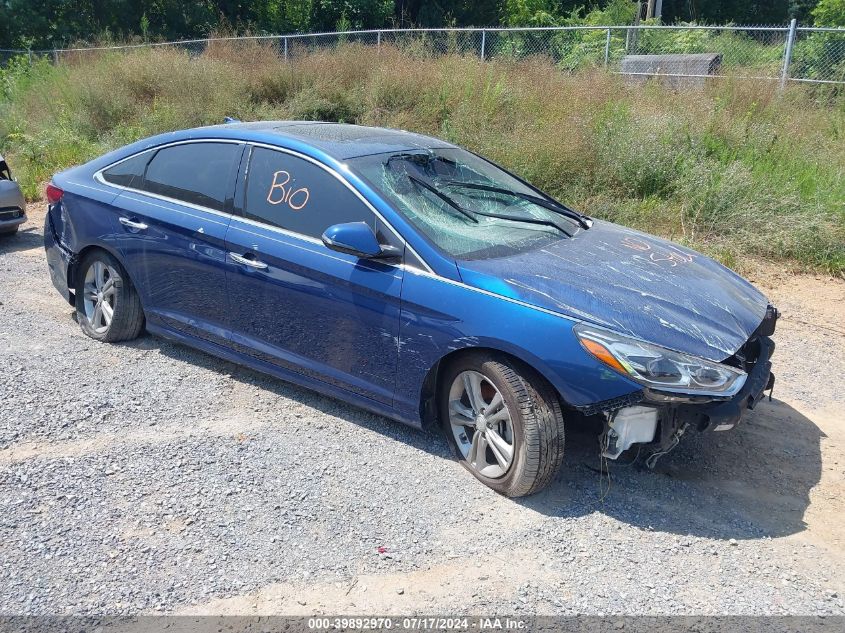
(128, 173)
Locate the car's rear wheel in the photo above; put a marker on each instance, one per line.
(107, 305)
(503, 421)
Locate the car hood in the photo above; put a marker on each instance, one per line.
(633, 283)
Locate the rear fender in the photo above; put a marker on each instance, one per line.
(60, 259)
(83, 218)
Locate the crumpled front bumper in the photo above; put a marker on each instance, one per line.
(660, 419)
(726, 414)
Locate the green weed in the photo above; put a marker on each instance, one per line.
(734, 168)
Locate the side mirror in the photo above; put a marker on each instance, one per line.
(357, 238)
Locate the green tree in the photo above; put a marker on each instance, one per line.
(45, 24)
(829, 13)
(424, 13)
(802, 10)
(532, 13)
(725, 11)
(360, 14)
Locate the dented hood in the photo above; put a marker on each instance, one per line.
(633, 283)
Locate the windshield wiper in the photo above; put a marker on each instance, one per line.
(423, 156)
(581, 219)
(409, 156)
(519, 218)
(422, 183)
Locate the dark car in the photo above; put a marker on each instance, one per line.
(12, 204)
(411, 277)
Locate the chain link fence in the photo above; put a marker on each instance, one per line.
(781, 53)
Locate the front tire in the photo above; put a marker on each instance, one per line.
(503, 421)
(107, 305)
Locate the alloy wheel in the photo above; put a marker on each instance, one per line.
(481, 424)
(99, 295)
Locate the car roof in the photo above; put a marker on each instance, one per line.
(322, 141)
(338, 140)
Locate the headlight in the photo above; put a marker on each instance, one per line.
(657, 367)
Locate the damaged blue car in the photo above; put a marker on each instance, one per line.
(413, 278)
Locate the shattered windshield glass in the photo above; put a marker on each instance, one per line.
(467, 206)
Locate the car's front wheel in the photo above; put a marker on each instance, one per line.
(107, 305)
(503, 421)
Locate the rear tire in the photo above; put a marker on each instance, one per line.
(510, 433)
(107, 305)
(10, 231)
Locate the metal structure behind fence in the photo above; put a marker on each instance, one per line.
(780, 53)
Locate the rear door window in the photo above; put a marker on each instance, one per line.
(295, 194)
(196, 173)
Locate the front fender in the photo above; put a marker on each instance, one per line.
(441, 317)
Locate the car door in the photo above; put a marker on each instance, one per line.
(294, 302)
(173, 212)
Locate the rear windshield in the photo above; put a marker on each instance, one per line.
(445, 194)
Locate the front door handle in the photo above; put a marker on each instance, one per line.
(138, 226)
(246, 261)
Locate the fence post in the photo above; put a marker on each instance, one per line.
(378, 41)
(483, 43)
(55, 57)
(29, 55)
(607, 49)
(787, 56)
(286, 49)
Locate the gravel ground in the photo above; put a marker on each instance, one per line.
(149, 477)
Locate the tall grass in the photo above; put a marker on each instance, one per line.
(734, 169)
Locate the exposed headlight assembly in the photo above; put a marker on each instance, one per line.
(659, 368)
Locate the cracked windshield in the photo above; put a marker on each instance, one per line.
(467, 206)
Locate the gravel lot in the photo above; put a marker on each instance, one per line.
(148, 477)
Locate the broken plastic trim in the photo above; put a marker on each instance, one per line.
(610, 405)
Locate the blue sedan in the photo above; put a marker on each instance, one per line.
(413, 278)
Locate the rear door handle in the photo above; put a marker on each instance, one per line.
(138, 226)
(246, 261)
